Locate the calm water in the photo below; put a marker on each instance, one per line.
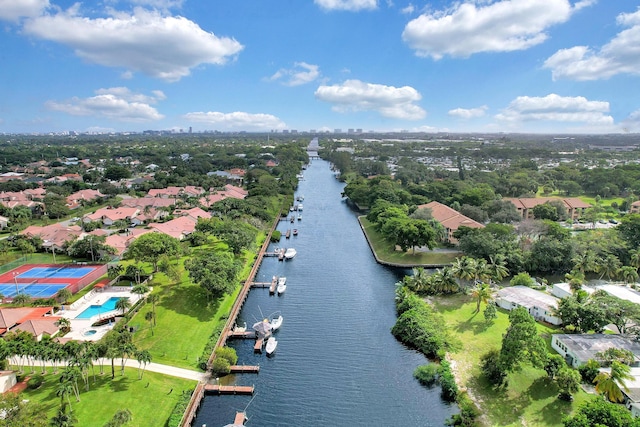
(337, 363)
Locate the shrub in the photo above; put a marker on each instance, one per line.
(448, 382)
(492, 368)
(221, 366)
(179, 409)
(427, 374)
(276, 236)
(589, 370)
(468, 413)
(35, 381)
(227, 353)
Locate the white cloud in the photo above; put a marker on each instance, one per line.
(555, 108)
(619, 56)
(302, 73)
(238, 120)
(159, 4)
(115, 104)
(389, 101)
(12, 10)
(408, 10)
(468, 113)
(468, 28)
(165, 47)
(351, 5)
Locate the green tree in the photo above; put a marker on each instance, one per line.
(123, 304)
(120, 418)
(216, 273)
(597, 412)
(151, 246)
(63, 295)
(144, 358)
(629, 229)
(521, 343)
(149, 317)
(568, 382)
(611, 384)
(19, 412)
(64, 417)
(490, 312)
(482, 294)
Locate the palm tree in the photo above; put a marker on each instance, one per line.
(64, 417)
(63, 295)
(464, 268)
(140, 289)
(153, 299)
(609, 266)
(634, 258)
(70, 375)
(611, 383)
(447, 281)
(64, 324)
(64, 389)
(148, 316)
(575, 278)
(21, 299)
(123, 304)
(114, 271)
(497, 268)
(482, 293)
(584, 262)
(628, 274)
(144, 358)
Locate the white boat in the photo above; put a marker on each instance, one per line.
(276, 322)
(282, 281)
(281, 288)
(290, 253)
(238, 328)
(270, 348)
(300, 207)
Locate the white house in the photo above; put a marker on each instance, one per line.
(538, 304)
(563, 290)
(577, 349)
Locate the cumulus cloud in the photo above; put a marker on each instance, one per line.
(468, 113)
(115, 104)
(159, 4)
(12, 10)
(389, 101)
(408, 10)
(555, 108)
(619, 56)
(165, 47)
(350, 5)
(237, 120)
(469, 28)
(302, 73)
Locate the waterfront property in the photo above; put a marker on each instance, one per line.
(577, 349)
(450, 219)
(538, 304)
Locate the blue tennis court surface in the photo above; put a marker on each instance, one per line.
(43, 290)
(56, 273)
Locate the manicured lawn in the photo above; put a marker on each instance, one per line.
(149, 399)
(530, 398)
(185, 319)
(387, 253)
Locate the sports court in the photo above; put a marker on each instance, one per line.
(45, 280)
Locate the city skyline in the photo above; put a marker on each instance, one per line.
(524, 66)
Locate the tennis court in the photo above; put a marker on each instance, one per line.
(56, 273)
(44, 290)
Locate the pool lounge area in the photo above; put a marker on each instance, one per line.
(92, 307)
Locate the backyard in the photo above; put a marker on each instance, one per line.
(387, 253)
(530, 398)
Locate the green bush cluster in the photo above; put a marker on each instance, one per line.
(208, 349)
(448, 382)
(420, 327)
(180, 409)
(468, 413)
(225, 357)
(427, 374)
(35, 381)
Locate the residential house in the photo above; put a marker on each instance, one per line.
(76, 199)
(108, 216)
(574, 206)
(55, 236)
(193, 213)
(179, 227)
(36, 320)
(4, 222)
(176, 192)
(539, 304)
(577, 349)
(120, 242)
(635, 207)
(450, 219)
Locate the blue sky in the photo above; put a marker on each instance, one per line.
(259, 65)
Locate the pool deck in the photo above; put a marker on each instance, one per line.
(80, 326)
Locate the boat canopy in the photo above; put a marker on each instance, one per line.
(263, 327)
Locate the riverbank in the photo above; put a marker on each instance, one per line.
(529, 399)
(385, 254)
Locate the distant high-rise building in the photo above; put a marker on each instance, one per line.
(337, 131)
(349, 130)
(285, 131)
(294, 131)
(190, 130)
(312, 131)
(358, 130)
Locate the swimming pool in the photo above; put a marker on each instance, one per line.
(92, 310)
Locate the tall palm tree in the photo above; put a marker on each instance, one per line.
(448, 282)
(584, 262)
(144, 358)
(608, 266)
(64, 417)
(123, 304)
(634, 258)
(464, 268)
(64, 324)
(64, 389)
(148, 316)
(140, 290)
(497, 268)
(153, 299)
(628, 274)
(419, 280)
(575, 278)
(612, 383)
(482, 293)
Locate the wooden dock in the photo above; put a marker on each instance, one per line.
(258, 345)
(240, 419)
(242, 334)
(244, 369)
(229, 389)
(274, 285)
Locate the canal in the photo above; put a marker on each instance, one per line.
(336, 363)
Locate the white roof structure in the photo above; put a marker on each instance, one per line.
(621, 292)
(529, 298)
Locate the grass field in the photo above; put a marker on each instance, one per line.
(530, 398)
(150, 399)
(387, 252)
